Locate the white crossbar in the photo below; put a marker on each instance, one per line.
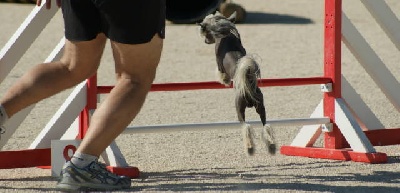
(370, 61)
(22, 39)
(385, 17)
(222, 125)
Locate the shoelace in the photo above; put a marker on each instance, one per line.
(106, 171)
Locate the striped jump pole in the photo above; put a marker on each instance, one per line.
(222, 125)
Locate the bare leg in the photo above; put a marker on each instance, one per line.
(80, 61)
(135, 67)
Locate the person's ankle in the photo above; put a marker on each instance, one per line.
(82, 160)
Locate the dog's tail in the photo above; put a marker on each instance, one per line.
(245, 79)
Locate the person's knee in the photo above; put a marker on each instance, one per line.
(138, 81)
(82, 58)
(141, 72)
(79, 71)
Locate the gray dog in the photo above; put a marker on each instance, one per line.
(234, 64)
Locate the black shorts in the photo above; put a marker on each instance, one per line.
(123, 21)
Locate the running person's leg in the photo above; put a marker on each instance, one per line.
(136, 31)
(136, 39)
(81, 58)
(136, 68)
(83, 50)
(136, 49)
(47, 79)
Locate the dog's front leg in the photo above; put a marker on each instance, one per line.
(223, 78)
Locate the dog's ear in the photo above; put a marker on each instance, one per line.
(232, 18)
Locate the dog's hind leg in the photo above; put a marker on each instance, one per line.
(268, 138)
(246, 128)
(260, 107)
(267, 133)
(248, 138)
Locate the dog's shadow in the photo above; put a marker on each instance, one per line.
(274, 18)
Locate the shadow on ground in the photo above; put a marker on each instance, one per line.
(277, 177)
(273, 18)
(270, 18)
(260, 178)
(7, 184)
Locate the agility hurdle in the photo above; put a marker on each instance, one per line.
(331, 116)
(346, 130)
(341, 104)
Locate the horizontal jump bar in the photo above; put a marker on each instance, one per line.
(222, 125)
(217, 85)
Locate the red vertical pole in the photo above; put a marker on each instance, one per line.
(91, 104)
(332, 67)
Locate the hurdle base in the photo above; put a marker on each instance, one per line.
(18, 158)
(132, 172)
(334, 154)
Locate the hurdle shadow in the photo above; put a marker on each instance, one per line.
(274, 18)
(5, 188)
(31, 181)
(260, 179)
(393, 160)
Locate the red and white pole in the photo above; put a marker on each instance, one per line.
(332, 68)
